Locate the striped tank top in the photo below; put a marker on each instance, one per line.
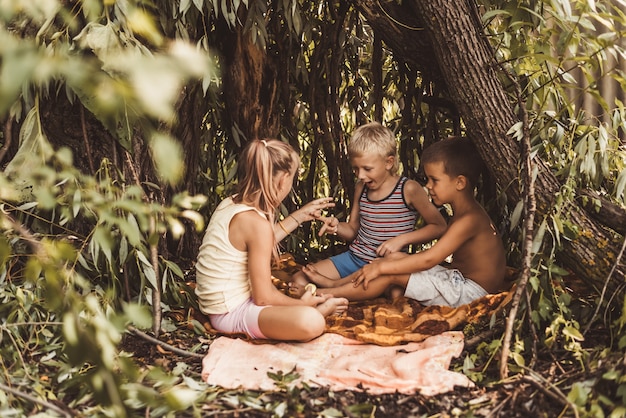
(381, 220)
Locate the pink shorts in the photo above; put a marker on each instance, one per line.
(244, 318)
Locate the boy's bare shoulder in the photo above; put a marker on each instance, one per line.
(481, 256)
(477, 220)
(414, 193)
(413, 187)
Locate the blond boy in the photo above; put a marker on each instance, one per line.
(478, 258)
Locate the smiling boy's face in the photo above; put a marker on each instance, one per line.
(372, 170)
(440, 185)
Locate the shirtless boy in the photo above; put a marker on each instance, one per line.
(478, 258)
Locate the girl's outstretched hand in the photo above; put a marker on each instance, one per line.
(313, 210)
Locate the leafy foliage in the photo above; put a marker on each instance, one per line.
(81, 254)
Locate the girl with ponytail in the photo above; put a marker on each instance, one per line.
(233, 271)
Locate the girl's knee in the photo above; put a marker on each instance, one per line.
(310, 324)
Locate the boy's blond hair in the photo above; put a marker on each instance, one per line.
(374, 138)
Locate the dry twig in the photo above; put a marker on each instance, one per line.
(165, 345)
(49, 406)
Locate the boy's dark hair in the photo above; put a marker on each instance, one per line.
(459, 158)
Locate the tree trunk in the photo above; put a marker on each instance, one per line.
(467, 65)
(250, 87)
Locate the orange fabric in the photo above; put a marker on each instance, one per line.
(386, 322)
(380, 346)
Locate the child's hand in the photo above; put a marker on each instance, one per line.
(366, 274)
(313, 210)
(392, 245)
(330, 225)
(310, 296)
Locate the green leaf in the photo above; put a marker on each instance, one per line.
(620, 185)
(331, 412)
(538, 239)
(180, 398)
(174, 268)
(198, 4)
(102, 237)
(573, 333)
(76, 203)
(139, 315)
(518, 359)
(146, 269)
(168, 158)
(517, 213)
(130, 230)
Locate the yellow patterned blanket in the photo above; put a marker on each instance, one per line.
(385, 322)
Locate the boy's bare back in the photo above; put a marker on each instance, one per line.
(480, 257)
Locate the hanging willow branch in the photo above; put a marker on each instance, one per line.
(530, 206)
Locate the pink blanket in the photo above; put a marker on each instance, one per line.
(339, 363)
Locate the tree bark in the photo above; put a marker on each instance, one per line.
(466, 63)
(403, 31)
(250, 87)
(604, 211)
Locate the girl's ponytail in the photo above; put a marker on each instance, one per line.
(261, 161)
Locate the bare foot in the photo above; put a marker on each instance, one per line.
(333, 306)
(318, 278)
(297, 285)
(394, 291)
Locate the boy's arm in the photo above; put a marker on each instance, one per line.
(435, 223)
(347, 230)
(458, 233)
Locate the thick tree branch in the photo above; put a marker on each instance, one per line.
(471, 74)
(402, 31)
(604, 211)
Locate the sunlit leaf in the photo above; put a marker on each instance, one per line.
(538, 238)
(168, 158)
(140, 316)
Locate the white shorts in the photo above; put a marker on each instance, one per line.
(442, 286)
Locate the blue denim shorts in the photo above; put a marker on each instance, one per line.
(347, 263)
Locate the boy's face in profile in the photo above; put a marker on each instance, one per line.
(440, 185)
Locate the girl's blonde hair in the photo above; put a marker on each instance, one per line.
(260, 163)
(374, 138)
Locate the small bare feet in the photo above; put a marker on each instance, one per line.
(316, 277)
(297, 285)
(333, 306)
